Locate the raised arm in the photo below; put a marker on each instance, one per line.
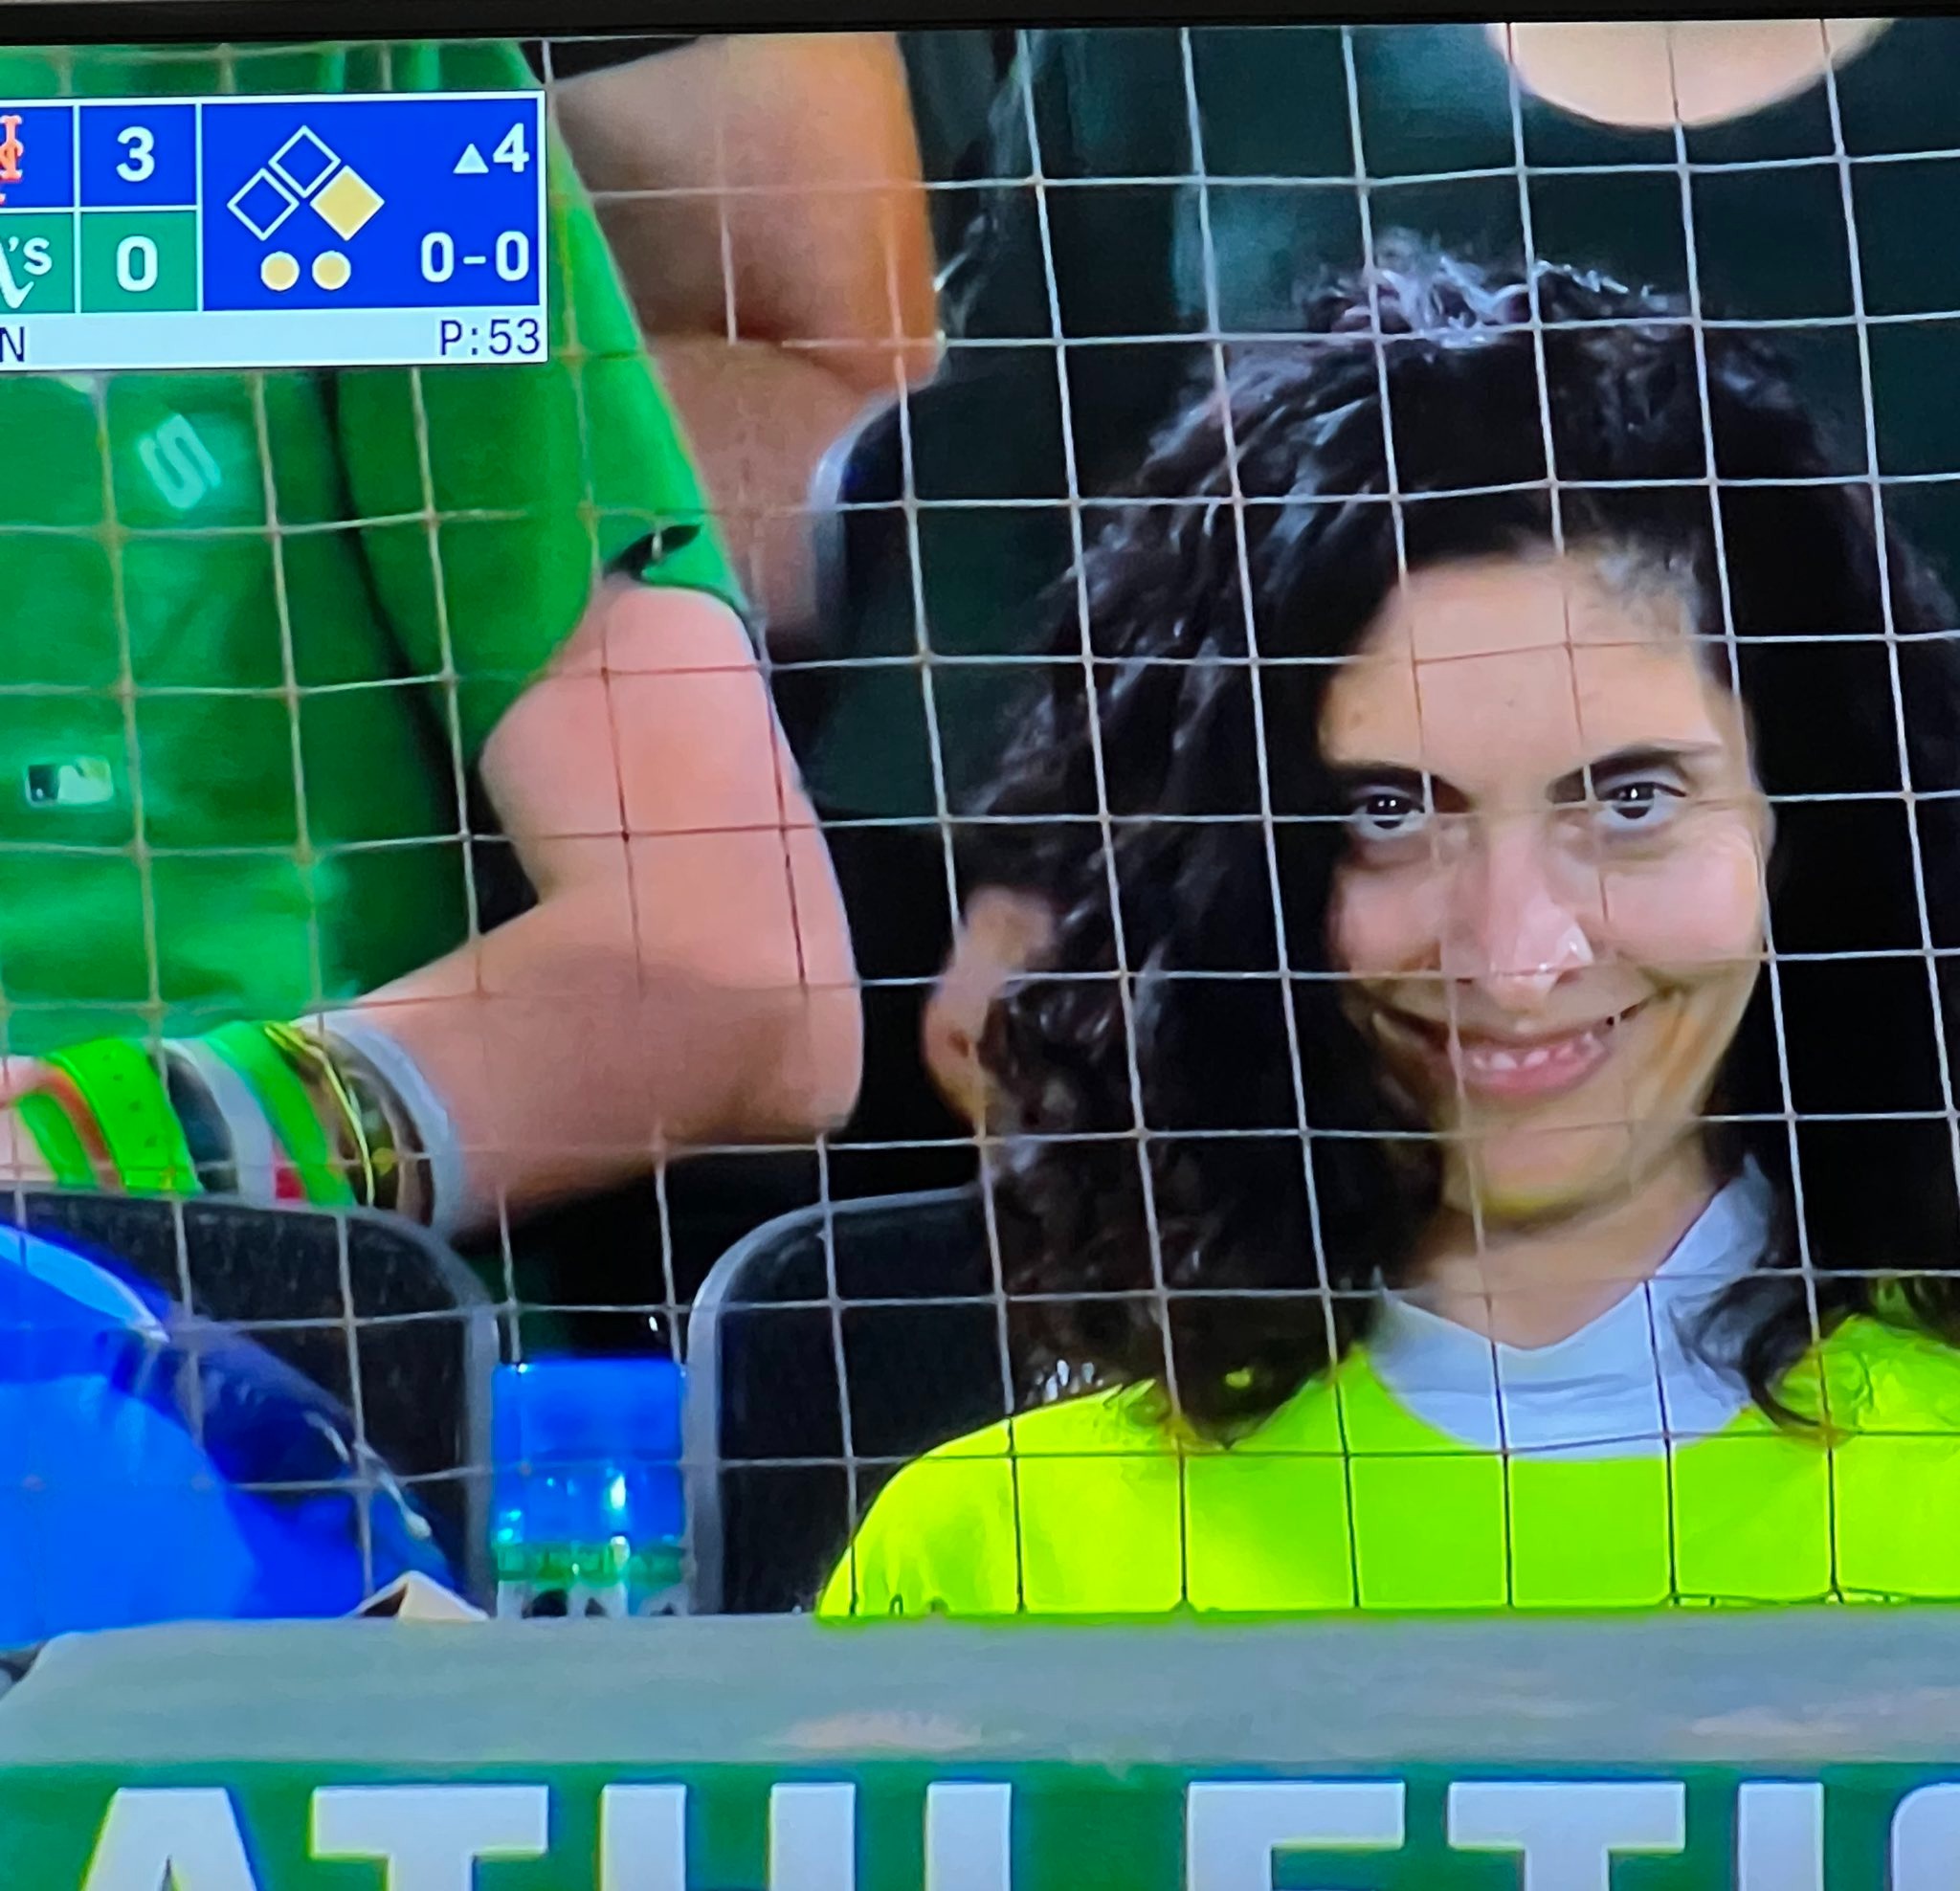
(762, 195)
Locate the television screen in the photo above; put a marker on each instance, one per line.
(1187, 790)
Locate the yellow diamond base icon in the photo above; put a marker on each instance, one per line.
(347, 203)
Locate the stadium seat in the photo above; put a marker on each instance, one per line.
(895, 1299)
(979, 448)
(387, 1320)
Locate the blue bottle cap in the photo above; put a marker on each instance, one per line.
(588, 1410)
(587, 1449)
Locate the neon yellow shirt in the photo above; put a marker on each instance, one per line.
(1343, 1498)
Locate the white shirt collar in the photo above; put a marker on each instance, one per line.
(1625, 1385)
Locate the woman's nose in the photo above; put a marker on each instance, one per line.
(1518, 927)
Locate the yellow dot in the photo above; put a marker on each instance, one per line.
(331, 269)
(279, 272)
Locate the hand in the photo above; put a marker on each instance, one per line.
(1002, 933)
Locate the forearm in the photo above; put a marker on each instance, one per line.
(764, 199)
(569, 1056)
(761, 416)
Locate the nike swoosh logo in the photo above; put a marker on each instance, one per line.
(14, 293)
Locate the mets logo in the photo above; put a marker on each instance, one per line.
(11, 152)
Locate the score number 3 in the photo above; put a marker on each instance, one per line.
(140, 165)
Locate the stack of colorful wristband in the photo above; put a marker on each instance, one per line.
(269, 1112)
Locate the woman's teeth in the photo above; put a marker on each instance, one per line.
(1575, 1049)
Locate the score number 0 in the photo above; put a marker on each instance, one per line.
(513, 253)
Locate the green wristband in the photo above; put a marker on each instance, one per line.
(120, 1082)
(55, 1136)
(288, 1107)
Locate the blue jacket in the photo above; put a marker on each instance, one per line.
(135, 1443)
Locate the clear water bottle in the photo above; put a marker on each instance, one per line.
(586, 1492)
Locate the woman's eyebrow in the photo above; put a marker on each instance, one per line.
(1631, 760)
(1432, 791)
(1412, 782)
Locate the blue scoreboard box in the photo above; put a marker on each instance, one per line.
(272, 233)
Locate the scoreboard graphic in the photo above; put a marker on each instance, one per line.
(317, 232)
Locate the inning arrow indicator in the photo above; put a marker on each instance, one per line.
(471, 163)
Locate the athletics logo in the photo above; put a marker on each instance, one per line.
(36, 259)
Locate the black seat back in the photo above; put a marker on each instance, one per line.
(949, 516)
(370, 1308)
(826, 1350)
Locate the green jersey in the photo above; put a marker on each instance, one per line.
(258, 626)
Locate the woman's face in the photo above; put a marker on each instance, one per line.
(1553, 894)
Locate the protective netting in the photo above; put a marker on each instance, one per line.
(1155, 218)
(1372, 806)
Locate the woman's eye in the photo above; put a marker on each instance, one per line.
(1632, 804)
(1386, 814)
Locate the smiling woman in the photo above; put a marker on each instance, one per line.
(1552, 910)
(1481, 1112)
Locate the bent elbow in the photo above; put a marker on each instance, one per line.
(803, 1066)
(817, 1066)
(823, 1067)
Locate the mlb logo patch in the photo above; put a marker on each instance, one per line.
(87, 781)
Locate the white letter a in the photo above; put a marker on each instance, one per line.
(185, 1839)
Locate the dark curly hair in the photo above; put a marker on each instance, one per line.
(1159, 1207)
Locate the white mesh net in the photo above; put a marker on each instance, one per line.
(1394, 824)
